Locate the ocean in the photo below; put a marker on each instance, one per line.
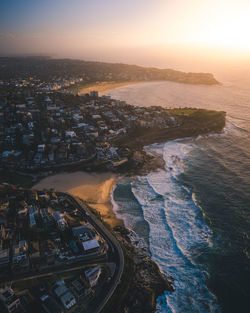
(193, 217)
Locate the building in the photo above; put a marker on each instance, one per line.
(59, 220)
(84, 233)
(68, 300)
(41, 148)
(33, 211)
(74, 247)
(34, 254)
(93, 93)
(91, 246)
(50, 305)
(81, 287)
(47, 218)
(65, 295)
(92, 275)
(19, 250)
(4, 259)
(9, 299)
(20, 259)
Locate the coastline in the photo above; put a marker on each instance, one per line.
(94, 188)
(142, 281)
(103, 87)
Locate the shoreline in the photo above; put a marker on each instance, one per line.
(94, 188)
(106, 86)
(103, 87)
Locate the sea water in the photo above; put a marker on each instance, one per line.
(193, 216)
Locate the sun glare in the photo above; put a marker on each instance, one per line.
(233, 35)
(228, 27)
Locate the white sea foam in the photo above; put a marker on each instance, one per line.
(162, 208)
(178, 233)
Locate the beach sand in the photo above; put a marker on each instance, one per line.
(94, 188)
(103, 87)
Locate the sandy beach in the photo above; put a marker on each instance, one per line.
(103, 87)
(94, 188)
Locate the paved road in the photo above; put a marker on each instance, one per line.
(114, 255)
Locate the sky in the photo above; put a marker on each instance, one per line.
(146, 32)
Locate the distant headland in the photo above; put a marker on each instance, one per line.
(83, 74)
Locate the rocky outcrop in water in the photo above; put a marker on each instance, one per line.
(145, 282)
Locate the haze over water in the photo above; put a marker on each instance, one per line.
(194, 215)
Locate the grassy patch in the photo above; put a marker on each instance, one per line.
(182, 111)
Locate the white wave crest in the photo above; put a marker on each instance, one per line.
(178, 232)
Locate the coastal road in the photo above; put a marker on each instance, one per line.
(115, 253)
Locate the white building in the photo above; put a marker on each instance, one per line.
(41, 148)
(90, 245)
(70, 134)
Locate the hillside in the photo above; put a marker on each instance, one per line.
(47, 69)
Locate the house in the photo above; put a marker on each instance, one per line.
(91, 246)
(93, 93)
(80, 230)
(50, 251)
(9, 299)
(7, 154)
(74, 247)
(92, 275)
(81, 287)
(70, 134)
(81, 149)
(96, 117)
(41, 148)
(65, 295)
(83, 233)
(22, 212)
(34, 253)
(54, 140)
(4, 259)
(47, 218)
(59, 220)
(28, 139)
(106, 97)
(38, 158)
(21, 107)
(33, 211)
(62, 152)
(20, 260)
(68, 300)
(50, 305)
(51, 156)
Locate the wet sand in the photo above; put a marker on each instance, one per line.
(103, 87)
(94, 188)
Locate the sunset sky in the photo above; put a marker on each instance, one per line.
(118, 30)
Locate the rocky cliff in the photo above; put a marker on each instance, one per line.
(142, 282)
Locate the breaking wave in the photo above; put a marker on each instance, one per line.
(178, 232)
